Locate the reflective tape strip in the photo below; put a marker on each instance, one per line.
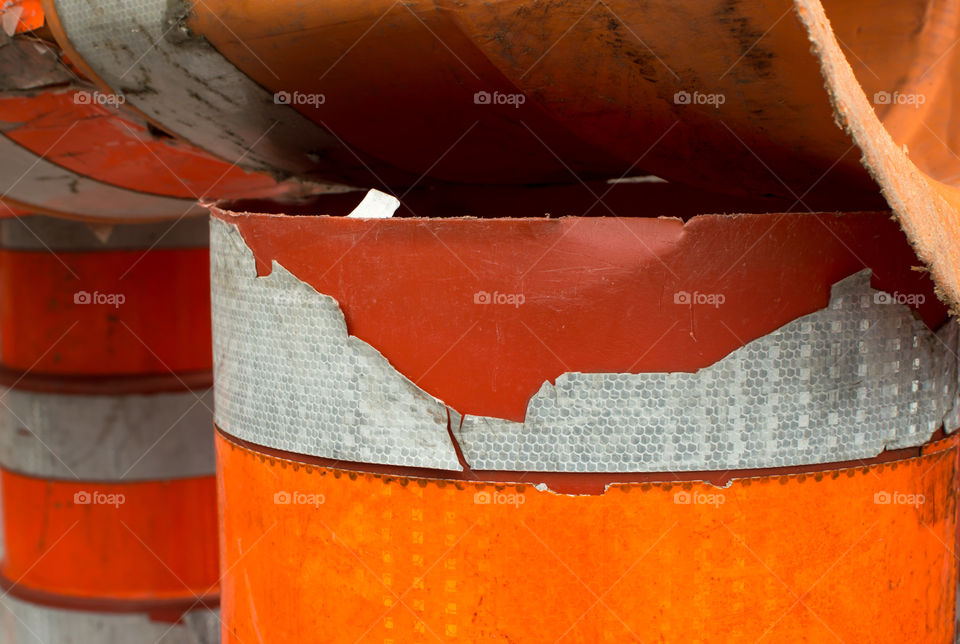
(844, 383)
(26, 623)
(38, 232)
(40, 186)
(839, 384)
(105, 438)
(388, 557)
(183, 83)
(149, 544)
(287, 374)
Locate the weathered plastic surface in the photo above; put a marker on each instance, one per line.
(858, 555)
(599, 294)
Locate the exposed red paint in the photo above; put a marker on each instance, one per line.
(599, 293)
(162, 326)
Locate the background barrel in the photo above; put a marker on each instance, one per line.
(106, 463)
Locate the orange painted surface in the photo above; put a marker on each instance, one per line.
(113, 146)
(163, 324)
(31, 16)
(131, 541)
(599, 292)
(598, 83)
(856, 555)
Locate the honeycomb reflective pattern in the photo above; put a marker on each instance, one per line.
(138, 48)
(288, 376)
(131, 437)
(839, 384)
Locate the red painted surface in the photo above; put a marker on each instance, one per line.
(108, 144)
(598, 293)
(125, 541)
(162, 326)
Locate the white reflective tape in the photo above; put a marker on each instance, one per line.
(143, 50)
(130, 437)
(375, 205)
(288, 376)
(38, 183)
(844, 383)
(25, 623)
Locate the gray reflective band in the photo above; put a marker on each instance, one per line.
(38, 183)
(288, 376)
(182, 82)
(840, 384)
(38, 232)
(25, 623)
(107, 438)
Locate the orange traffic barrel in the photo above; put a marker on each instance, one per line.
(508, 93)
(708, 427)
(824, 103)
(75, 151)
(106, 458)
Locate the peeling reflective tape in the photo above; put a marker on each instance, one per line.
(26, 623)
(375, 205)
(39, 185)
(131, 437)
(38, 232)
(840, 384)
(142, 51)
(287, 375)
(387, 557)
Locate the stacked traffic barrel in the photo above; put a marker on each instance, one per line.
(643, 334)
(106, 463)
(589, 429)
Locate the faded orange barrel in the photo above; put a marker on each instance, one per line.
(106, 461)
(715, 428)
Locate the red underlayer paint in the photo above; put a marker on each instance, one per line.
(600, 294)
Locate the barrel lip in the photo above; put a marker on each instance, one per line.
(161, 608)
(107, 385)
